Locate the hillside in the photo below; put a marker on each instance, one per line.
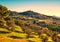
(32, 14)
(37, 15)
(28, 26)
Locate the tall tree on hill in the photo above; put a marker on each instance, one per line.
(4, 13)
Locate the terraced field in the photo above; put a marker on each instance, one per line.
(17, 36)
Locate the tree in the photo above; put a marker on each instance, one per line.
(10, 23)
(44, 37)
(54, 37)
(4, 15)
(4, 12)
(27, 30)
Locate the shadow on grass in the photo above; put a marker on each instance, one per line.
(3, 27)
(15, 37)
(30, 36)
(30, 41)
(4, 32)
(18, 31)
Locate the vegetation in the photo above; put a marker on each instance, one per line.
(20, 27)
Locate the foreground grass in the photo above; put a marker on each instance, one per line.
(19, 36)
(12, 40)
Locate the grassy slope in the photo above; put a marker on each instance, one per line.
(19, 36)
(16, 36)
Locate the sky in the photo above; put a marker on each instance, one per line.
(47, 7)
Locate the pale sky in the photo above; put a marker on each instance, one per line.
(47, 7)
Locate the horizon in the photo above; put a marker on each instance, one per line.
(46, 7)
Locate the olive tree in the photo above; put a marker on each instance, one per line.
(4, 13)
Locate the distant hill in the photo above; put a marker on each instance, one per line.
(13, 13)
(33, 15)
